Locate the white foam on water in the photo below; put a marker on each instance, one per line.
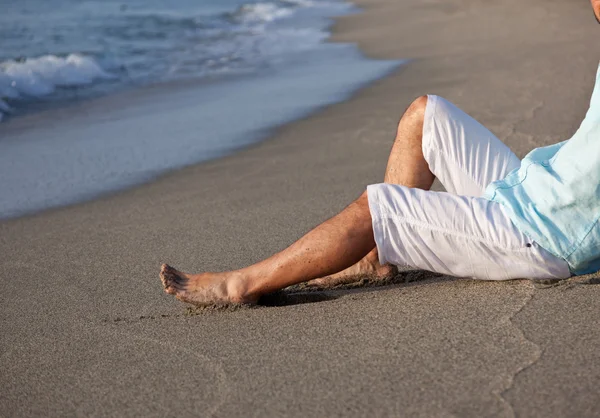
(262, 12)
(77, 154)
(37, 77)
(302, 3)
(149, 46)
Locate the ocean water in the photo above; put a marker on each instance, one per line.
(53, 50)
(258, 63)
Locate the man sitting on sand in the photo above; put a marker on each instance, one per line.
(500, 219)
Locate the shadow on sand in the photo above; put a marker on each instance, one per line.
(300, 294)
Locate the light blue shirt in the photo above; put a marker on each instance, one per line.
(554, 196)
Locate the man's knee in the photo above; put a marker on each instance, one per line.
(418, 105)
(413, 118)
(415, 113)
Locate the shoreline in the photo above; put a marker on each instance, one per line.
(205, 40)
(87, 329)
(103, 146)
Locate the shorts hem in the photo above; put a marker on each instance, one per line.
(376, 222)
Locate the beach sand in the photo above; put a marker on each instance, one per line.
(86, 329)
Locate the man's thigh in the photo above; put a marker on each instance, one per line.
(461, 236)
(463, 154)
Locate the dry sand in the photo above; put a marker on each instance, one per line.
(86, 330)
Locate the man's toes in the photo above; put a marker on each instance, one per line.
(169, 280)
(167, 269)
(164, 276)
(171, 270)
(168, 283)
(172, 286)
(170, 290)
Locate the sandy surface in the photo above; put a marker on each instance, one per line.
(85, 329)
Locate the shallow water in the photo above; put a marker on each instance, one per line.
(163, 111)
(56, 50)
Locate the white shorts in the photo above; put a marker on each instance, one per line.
(457, 233)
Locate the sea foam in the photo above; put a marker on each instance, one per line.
(36, 77)
(262, 12)
(140, 46)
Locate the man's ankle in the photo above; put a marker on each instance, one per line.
(237, 289)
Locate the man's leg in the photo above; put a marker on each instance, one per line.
(435, 139)
(325, 250)
(406, 164)
(406, 167)
(332, 246)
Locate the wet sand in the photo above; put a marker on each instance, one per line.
(86, 330)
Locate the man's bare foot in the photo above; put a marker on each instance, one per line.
(204, 289)
(368, 267)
